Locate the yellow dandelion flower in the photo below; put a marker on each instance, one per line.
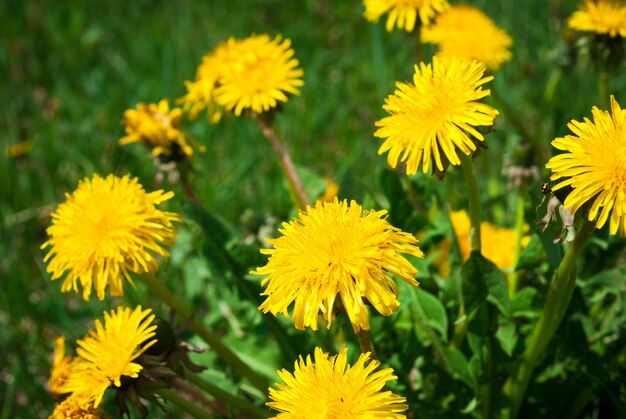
(106, 354)
(75, 407)
(106, 229)
(436, 115)
(498, 244)
(329, 387)
(201, 91)
(466, 32)
(158, 127)
(336, 248)
(60, 368)
(600, 16)
(254, 73)
(594, 165)
(263, 74)
(404, 13)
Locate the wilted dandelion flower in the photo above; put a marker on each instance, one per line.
(158, 127)
(106, 354)
(254, 73)
(436, 115)
(594, 165)
(337, 248)
(60, 368)
(466, 32)
(600, 16)
(106, 229)
(75, 407)
(404, 13)
(331, 388)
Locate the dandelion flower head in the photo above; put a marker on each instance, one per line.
(60, 368)
(593, 163)
(466, 32)
(605, 17)
(158, 127)
(75, 407)
(404, 13)
(328, 387)
(436, 115)
(255, 73)
(106, 229)
(106, 354)
(335, 249)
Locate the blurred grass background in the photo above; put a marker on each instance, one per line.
(70, 69)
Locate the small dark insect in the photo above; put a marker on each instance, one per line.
(561, 194)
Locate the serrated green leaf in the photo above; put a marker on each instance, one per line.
(474, 287)
(488, 281)
(432, 309)
(507, 335)
(522, 303)
(460, 366)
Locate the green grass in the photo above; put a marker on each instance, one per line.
(72, 68)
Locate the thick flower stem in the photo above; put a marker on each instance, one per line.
(557, 301)
(225, 397)
(190, 408)
(184, 181)
(469, 171)
(198, 328)
(519, 234)
(604, 88)
(365, 343)
(296, 187)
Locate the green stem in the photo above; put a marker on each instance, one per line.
(579, 402)
(469, 171)
(296, 187)
(223, 396)
(419, 48)
(184, 181)
(365, 343)
(519, 235)
(198, 328)
(604, 88)
(557, 301)
(188, 407)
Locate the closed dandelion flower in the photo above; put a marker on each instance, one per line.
(158, 127)
(605, 17)
(328, 387)
(466, 32)
(60, 368)
(254, 73)
(335, 249)
(107, 353)
(106, 229)
(75, 407)
(404, 13)
(593, 163)
(436, 115)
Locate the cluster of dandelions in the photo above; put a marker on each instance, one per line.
(335, 257)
